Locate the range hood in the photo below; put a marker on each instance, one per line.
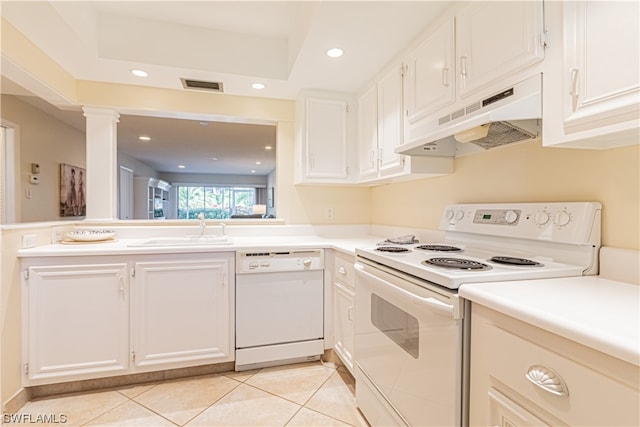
(512, 115)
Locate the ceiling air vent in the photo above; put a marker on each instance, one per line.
(202, 85)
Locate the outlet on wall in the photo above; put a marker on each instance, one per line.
(328, 213)
(29, 241)
(56, 235)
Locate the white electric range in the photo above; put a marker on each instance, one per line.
(411, 329)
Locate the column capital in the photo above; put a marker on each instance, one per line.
(101, 112)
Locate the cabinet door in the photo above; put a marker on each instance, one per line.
(602, 57)
(326, 138)
(390, 129)
(368, 134)
(343, 309)
(429, 79)
(182, 313)
(76, 322)
(496, 39)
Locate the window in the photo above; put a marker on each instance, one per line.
(214, 202)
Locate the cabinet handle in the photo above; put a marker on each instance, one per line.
(350, 313)
(463, 66)
(342, 270)
(445, 76)
(574, 88)
(121, 279)
(547, 379)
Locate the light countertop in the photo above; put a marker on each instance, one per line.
(239, 243)
(596, 312)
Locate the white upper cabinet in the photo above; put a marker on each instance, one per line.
(381, 131)
(368, 134)
(602, 76)
(323, 138)
(390, 129)
(430, 75)
(495, 40)
(592, 87)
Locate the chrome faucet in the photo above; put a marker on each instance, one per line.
(203, 224)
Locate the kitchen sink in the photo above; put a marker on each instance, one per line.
(195, 240)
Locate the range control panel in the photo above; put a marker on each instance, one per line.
(571, 222)
(275, 261)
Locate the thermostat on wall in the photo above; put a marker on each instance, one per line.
(34, 179)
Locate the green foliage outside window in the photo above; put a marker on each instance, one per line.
(214, 202)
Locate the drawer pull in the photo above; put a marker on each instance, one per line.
(547, 379)
(342, 270)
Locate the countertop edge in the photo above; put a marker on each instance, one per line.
(526, 310)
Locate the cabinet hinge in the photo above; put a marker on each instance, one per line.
(133, 272)
(403, 70)
(25, 274)
(26, 369)
(133, 356)
(544, 38)
(347, 108)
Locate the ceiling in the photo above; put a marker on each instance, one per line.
(280, 44)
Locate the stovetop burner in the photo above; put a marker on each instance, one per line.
(439, 248)
(516, 261)
(392, 249)
(457, 263)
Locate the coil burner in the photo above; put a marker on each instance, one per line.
(457, 263)
(439, 248)
(516, 261)
(391, 249)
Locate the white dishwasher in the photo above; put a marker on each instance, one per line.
(279, 307)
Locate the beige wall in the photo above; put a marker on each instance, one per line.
(49, 142)
(525, 173)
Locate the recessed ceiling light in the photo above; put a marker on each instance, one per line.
(268, 147)
(335, 52)
(214, 158)
(144, 138)
(253, 171)
(258, 163)
(181, 166)
(139, 73)
(257, 86)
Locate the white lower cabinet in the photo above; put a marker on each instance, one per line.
(522, 375)
(344, 309)
(181, 313)
(75, 321)
(85, 318)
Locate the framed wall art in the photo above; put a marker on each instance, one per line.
(73, 198)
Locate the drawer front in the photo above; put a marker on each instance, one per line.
(343, 269)
(566, 389)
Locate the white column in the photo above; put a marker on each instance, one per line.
(102, 163)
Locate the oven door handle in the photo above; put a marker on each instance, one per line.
(437, 306)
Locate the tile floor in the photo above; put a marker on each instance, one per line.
(305, 394)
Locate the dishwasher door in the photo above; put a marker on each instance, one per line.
(280, 310)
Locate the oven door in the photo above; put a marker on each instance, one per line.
(408, 348)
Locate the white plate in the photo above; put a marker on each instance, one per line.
(90, 235)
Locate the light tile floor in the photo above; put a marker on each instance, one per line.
(305, 394)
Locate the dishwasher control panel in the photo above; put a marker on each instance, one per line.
(272, 261)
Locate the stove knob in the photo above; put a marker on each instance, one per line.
(306, 263)
(510, 217)
(450, 214)
(541, 218)
(562, 218)
(459, 215)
